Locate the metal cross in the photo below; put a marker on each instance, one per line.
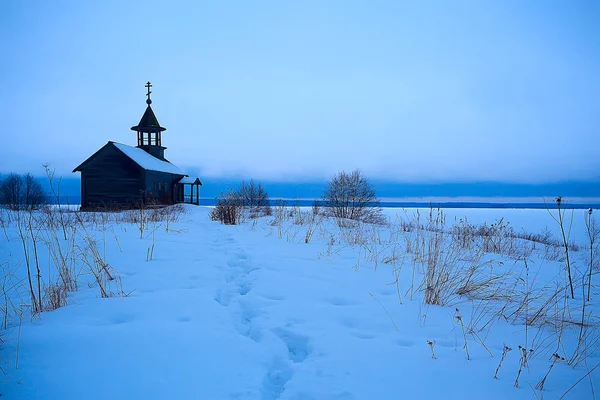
(148, 85)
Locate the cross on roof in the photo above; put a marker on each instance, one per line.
(148, 85)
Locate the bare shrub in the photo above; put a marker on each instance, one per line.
(254, 198)
(228, 210)
(351, 196)
(248, 200)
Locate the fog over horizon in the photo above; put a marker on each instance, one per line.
(432, 92)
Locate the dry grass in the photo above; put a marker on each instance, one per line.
(69, 247)
(493, 268)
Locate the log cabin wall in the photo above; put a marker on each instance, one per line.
(112, 180)
(159, 187)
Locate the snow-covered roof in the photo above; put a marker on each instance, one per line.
(190, 180)
(148, 161)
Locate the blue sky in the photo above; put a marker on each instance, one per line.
(429, 91)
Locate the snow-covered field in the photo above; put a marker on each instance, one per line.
(207, 311)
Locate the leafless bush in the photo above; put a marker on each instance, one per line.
(228, 210)
(249, 199)
(351, 196)
(254, 198)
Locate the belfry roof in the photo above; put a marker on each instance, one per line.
(148, 123)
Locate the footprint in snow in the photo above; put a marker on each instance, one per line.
(340, 301)
(297, 345)
(237, 260)
(362, 335)
(273, 296)
(351, 323)
(245, 322)
(244, 288)
(119, 319)
(223, 297)
(388, 291)
(273, 385)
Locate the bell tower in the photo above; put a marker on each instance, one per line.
(149, 131)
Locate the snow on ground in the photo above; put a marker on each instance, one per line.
(253, 312)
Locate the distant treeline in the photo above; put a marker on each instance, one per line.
(21, 192)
